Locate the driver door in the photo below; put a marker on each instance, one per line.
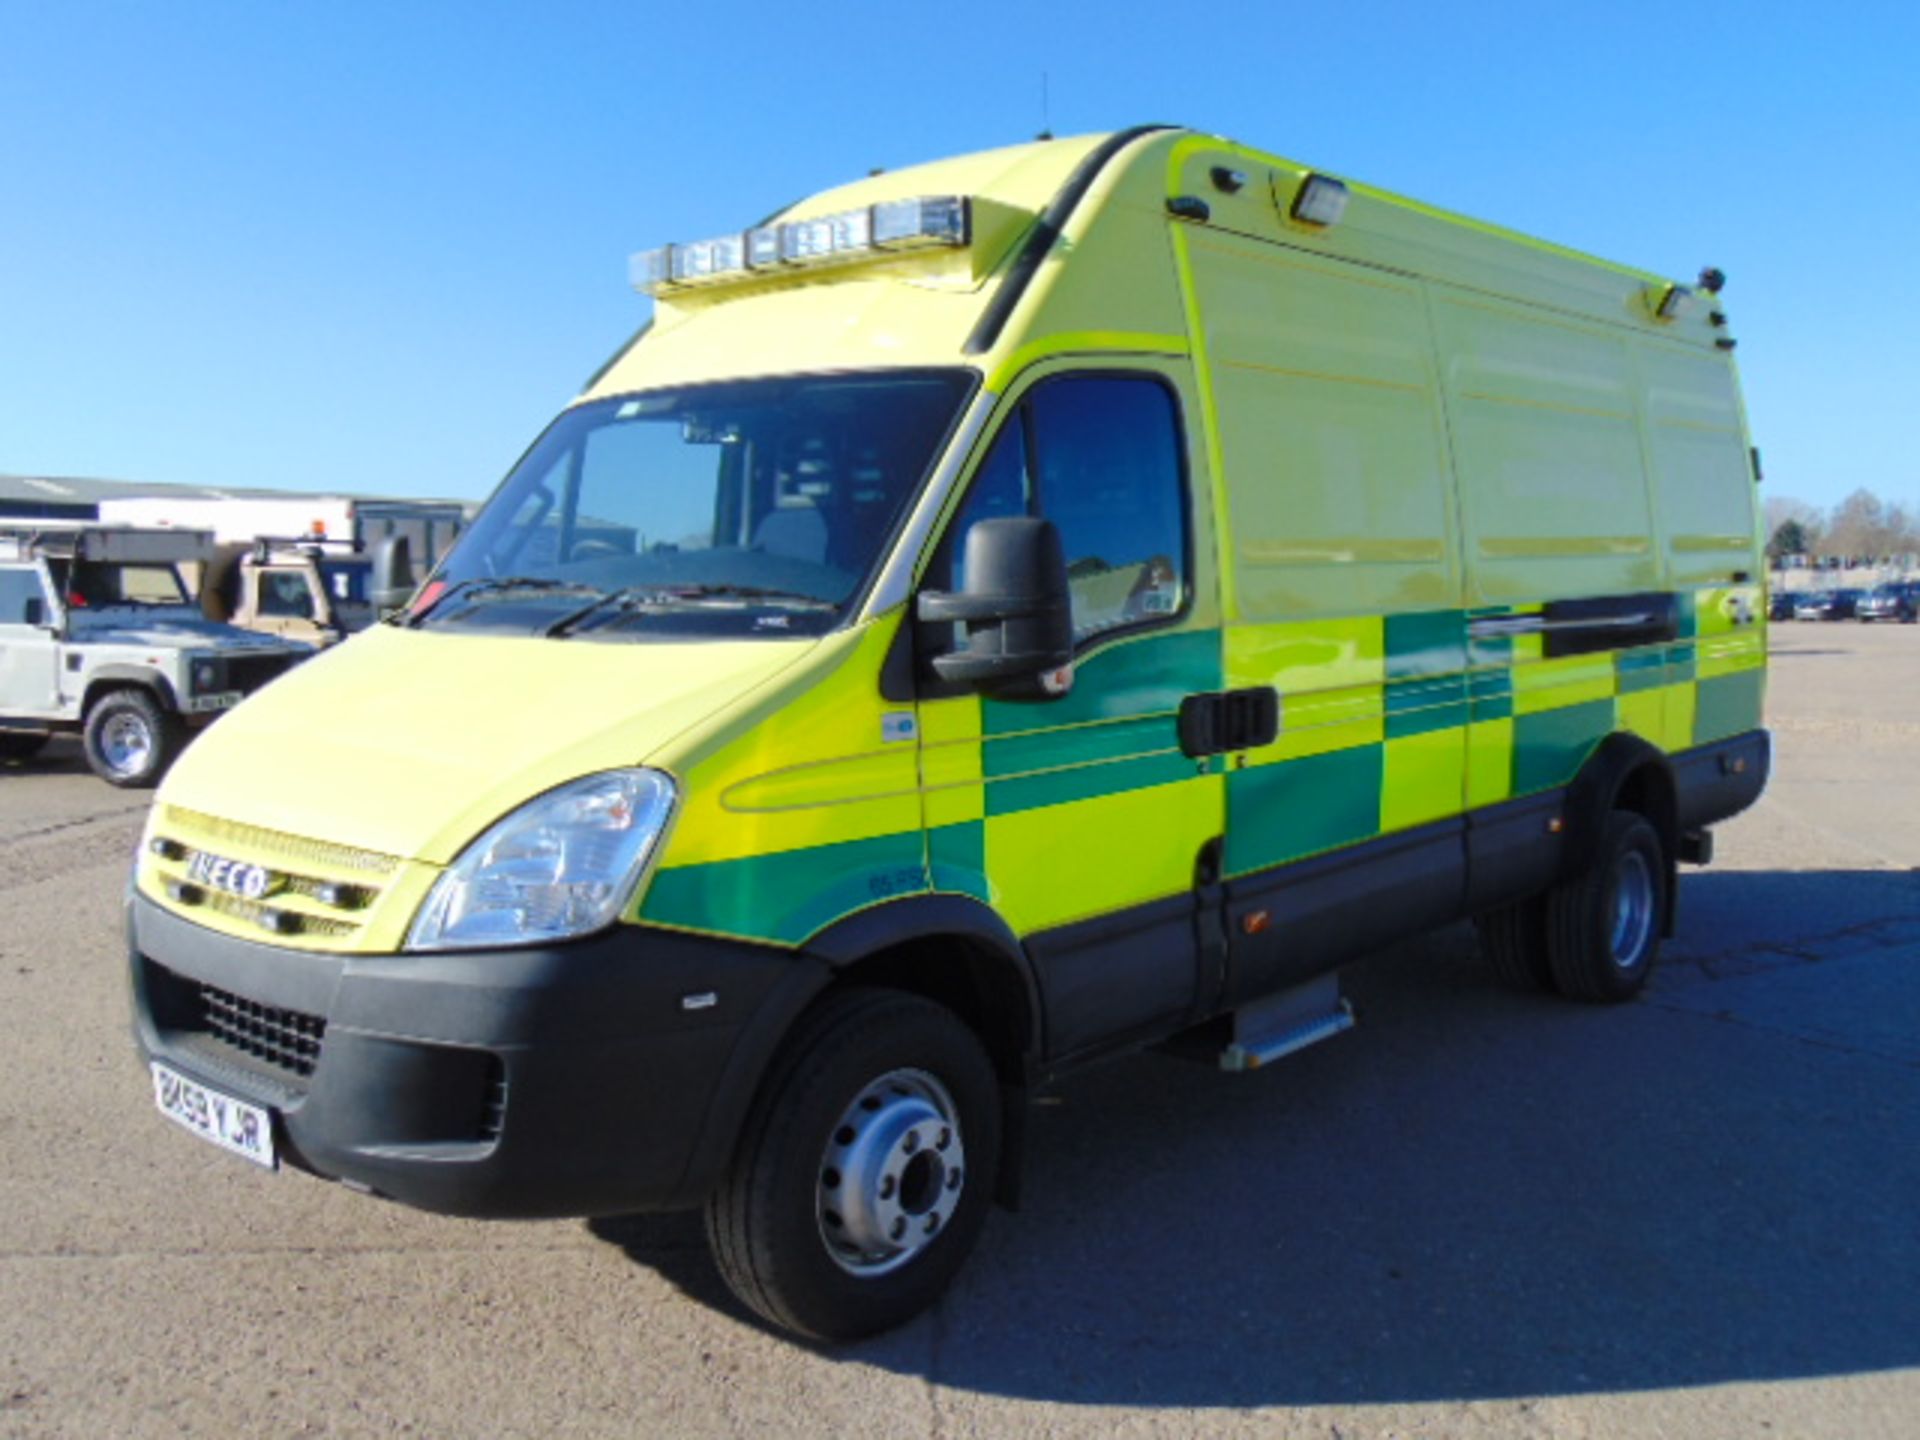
(1078, 817)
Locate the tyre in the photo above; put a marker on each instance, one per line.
(1603, 925)
(20, 745)
(1513, 940)
(865, 1170)
(129, 739)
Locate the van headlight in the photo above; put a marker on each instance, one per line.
(561, 865)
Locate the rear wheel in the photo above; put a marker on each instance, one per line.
(129, 739)
(21, 746)
(1603, 925)
(864, 1172)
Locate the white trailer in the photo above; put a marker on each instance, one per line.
(429, 525)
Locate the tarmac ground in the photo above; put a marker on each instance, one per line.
(1477, 1214)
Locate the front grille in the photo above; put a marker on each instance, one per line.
(249, 672)
(285, 1039)
(493, 1104)
(224, 836)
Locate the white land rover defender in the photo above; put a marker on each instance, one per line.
(99, 634)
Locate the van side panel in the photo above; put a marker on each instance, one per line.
(1449, 547)
(1553, 495)
(1330, 434)
(1707, 520)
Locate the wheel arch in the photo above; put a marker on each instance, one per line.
(1624, 772)
(951, 949)
(121, 677)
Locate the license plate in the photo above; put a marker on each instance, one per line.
(246, 1130)
(224, 701)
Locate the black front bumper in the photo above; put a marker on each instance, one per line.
(561, 1080)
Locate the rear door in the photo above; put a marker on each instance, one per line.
(1078, 817)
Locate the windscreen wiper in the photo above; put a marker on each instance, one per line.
(492, 585)
(632, 597)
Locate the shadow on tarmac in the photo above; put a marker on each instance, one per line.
(1476, 1194)
(62, 756)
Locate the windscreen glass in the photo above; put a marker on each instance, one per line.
(742, 508)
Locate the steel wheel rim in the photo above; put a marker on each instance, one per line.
(126, 744)
(1632, 909)
(891, 1174)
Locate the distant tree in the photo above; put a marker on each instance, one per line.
(1859, 527)
(1806, 520)
(1789, 538)
(1903, 532)
(1782, 508)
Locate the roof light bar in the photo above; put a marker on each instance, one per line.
(884, 228)
(708, 257)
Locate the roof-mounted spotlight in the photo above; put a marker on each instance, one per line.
(1321, 201)
(1675, 301)
(1713, 280)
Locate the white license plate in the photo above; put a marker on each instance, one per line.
(226, 700)
(246, 1130)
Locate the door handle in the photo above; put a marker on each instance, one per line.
(1223, 721)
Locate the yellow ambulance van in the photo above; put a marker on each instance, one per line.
(1001, 614)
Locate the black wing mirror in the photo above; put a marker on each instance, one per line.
(392, 581)
(1016, 607)
(34, 612)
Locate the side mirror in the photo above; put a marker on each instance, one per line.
(34, 612)
(392, 580)
(1016, 607)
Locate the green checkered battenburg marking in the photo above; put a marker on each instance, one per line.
(1117, 731)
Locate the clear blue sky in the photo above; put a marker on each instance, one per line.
(377, 246)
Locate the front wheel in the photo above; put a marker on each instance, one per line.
(865, 1170)
(129, 739)
(1603, 925)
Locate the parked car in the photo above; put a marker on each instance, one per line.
(100, 636)
(1891, 602)
(1827, 605)
(313, 591)
(1780, 607)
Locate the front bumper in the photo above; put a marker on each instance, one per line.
(548, 1081)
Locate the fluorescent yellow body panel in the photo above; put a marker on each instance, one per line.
(412, 742)
(1489, 762)
(1330, 434)
(1547, 450)
(1426, 779)
(1550, 684)
(808, 765)
(912, 309)
(1330, 677)
(1111, 852)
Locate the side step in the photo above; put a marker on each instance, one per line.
(1281, 1024)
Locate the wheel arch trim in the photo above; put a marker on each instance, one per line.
(120, 677)
(1624, 766)
(896, 923)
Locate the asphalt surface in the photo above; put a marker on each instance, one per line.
(1478, 1214)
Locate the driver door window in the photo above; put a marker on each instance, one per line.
(1099, 455)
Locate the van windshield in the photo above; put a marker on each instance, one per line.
(747, 508)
